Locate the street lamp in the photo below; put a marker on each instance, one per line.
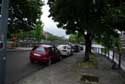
(3, 37)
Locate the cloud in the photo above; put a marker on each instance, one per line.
(49, 24)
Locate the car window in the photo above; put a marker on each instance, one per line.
(64, 47)
(68, 47)
(40, 49)
(50, 49)
(56, 50)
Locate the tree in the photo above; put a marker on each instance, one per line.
(76, 38)
(116, 14)
(51, 37)
(116, 19)
(36, 33)
(89, 17)
(83, 16)
(38, 30)
(23, 15)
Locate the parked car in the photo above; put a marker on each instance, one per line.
(65, 49)
(76, 48)
(45, 54)
(81, 47)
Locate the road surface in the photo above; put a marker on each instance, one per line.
(18, 66)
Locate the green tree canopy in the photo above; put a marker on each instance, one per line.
(92, 18)
(81, 16)
(76, 38)
(24, 14)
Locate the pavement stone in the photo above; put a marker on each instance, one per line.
(106, 74)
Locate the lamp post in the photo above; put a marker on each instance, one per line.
(3, 37)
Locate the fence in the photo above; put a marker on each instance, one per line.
(112, 55)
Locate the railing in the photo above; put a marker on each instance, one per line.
(111, 55)
(21, 44)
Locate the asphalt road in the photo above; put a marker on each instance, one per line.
(18, 66)
(64, 72)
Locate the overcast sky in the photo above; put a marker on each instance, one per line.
(49, 24)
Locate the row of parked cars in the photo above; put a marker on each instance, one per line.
(47, 53)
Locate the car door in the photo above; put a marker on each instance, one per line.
(57, 53)
(50, 52)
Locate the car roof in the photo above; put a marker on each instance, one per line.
(45, 45)
(63, 45)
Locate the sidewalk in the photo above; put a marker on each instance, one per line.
(106, 74)
(69, 72)
(116, 58)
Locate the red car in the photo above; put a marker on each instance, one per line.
(44, 54)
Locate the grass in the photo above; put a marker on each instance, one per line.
(92, 63)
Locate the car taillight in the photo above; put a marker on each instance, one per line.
(36, 54)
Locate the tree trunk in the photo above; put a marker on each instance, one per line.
(88, 43)
(105, 52)
(119, 65)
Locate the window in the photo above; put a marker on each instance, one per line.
(51, 49)
(40, 49)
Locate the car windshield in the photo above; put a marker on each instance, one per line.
(40, 49)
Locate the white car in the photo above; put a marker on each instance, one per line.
(65, 50)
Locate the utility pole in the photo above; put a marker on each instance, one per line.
(4, 4)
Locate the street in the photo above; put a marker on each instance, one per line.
(21, 71)
(18, 66)
(63, 72)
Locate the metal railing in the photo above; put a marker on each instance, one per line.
(117, 58)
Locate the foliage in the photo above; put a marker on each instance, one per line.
(76, 15)
(38, 31)
(23, 15)
(113, 21)
(76, 38)
(109, 40)
(35, 34)
(51, 37)
(79, 16)
(98, 18)
(115, 14)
